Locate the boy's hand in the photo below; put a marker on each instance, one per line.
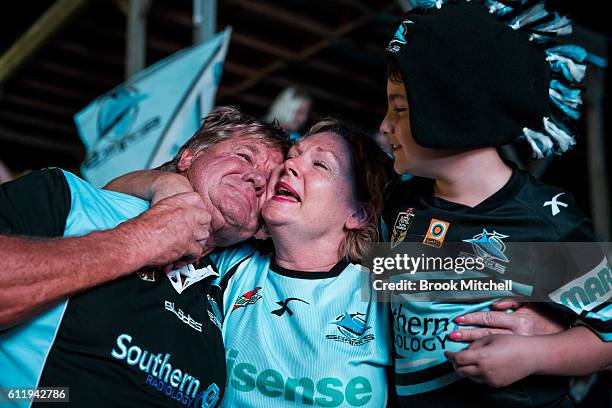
(526, 320)
(497, 360)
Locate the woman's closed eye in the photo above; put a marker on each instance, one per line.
(320, 164)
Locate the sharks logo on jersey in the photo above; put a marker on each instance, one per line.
(490, 248)
(352, 328)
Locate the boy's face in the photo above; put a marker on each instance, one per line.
(409, 156)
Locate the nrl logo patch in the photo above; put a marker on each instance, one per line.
(248, 298)
(400, 228)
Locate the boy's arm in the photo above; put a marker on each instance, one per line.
(150, 185)
(500, 360)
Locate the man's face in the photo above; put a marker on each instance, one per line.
(231, 177)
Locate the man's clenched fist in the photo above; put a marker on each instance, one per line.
(175, 228)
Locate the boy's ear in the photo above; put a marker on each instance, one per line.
(185, 160)
(357, 219)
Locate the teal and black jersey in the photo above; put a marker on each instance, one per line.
(300, 338)
(142, 340)
(524, 210)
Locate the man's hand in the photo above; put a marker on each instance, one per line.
(498, 360)
(176, 228)
(526, 320)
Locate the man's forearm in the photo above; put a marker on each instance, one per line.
(150, 185)
(38, 272)
(577, 351)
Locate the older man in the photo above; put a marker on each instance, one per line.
(142, 339)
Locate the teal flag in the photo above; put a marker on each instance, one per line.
(143, 122)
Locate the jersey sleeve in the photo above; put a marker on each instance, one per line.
(36, 204)
(587, 287)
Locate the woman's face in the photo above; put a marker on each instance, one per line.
(409, 156)
(313, 188)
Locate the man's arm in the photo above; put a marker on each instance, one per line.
(38, 272)
(150, 185)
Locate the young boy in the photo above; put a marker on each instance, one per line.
(461, 83)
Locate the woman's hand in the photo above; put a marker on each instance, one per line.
(497, 360)
(526, 320)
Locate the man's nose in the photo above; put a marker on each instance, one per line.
(258, 179)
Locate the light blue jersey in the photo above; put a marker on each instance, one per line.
(301, 338)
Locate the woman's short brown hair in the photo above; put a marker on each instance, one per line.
(373, 177)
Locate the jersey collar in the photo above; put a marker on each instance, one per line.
(332, 273)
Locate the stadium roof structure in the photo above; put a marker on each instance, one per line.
(332, 48)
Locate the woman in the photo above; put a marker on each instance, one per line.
(301, 324)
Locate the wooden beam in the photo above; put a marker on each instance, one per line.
(37, 35)
(29, 103)
(56, 90)
(204, 20)
(31, 120)
(595, 118)
(84, 51)
(256, 100)
(8, 135)
(319, 92)
(77, 74)
(286, 16)
(337, 70)
(136, 39)
(382, 14)
(301, 56)
(238, 69)
(263, 46)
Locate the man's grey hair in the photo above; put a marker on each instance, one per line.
(225, 122)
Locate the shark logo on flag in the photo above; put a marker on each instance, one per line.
(142, 123)
(118, 112)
